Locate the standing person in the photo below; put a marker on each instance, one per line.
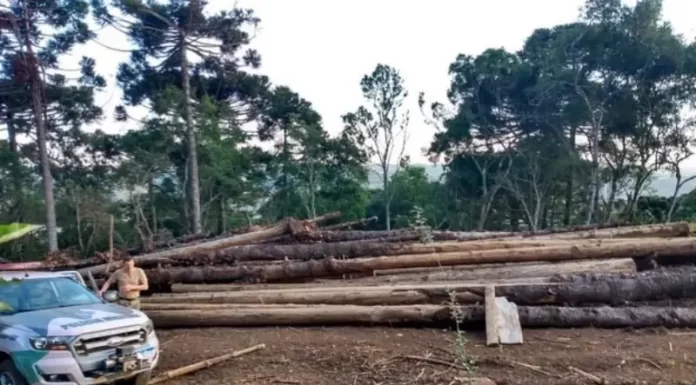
(130, 280)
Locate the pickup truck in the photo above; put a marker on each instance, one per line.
(55, 331)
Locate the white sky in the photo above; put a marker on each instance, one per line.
(321, 48)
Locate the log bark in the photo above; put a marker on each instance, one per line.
(216, 306)
(350, 225)
(367, 296)
(174, 242)
(607, 317)
(503, 271)
(498, 274)
(287, 226)
(316, 315)
(676, 229)
(543, 316)
(356, 249)
(666, 230)
(333, 267)
(394, 236)
(196, 238)
(580, 290)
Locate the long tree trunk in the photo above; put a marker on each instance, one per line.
(31, 62)
(286, 226)
(191, 139)
(676, 229)
(355, 249)
(545, 316)
(492, 272)
(351, 225)
(667, 230)
(608, 290)
(332, 267)
(489, 274)
(367, 296)
(394, 236)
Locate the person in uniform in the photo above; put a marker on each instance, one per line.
(130, 280)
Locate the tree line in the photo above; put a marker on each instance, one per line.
(571, 129)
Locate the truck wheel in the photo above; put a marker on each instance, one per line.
(9, 375)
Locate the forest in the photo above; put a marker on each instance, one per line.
(569, 130)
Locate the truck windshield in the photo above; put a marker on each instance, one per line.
(22, 295)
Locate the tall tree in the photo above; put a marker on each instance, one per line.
(31, 61)
(382, 126)
(169, 33)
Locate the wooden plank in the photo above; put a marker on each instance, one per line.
(491, 316)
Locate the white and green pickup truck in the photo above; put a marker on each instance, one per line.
(55, 331)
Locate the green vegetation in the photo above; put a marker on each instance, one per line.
(16, 230)
(571, 129)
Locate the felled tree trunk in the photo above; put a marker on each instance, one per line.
(546, 316)
(184, 239)
(287, 226)
(667, 230)
(491, 274)
(502, 271)
(395, 236)
(605, 290)
(337, 296)
(355, 249)
(350, 225)
(607, 317)
(676, 229)
(330, 266)
(580, 290)
(299, 316)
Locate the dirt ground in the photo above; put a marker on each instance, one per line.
(392, 356)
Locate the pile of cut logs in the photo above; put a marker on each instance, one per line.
(299, 273)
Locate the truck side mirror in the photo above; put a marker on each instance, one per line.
(110, 296)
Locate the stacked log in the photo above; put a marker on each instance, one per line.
(578, 290)
(530, 316)
(298, 273)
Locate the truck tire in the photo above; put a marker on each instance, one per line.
(9, 373)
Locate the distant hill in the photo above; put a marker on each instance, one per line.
(374, 180)
(663, 184)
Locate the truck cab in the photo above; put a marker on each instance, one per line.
(55, 331)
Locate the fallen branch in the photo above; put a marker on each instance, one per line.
(168, 375)
(589, 376)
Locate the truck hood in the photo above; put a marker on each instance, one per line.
(74, 320)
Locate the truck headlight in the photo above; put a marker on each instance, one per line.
(149, 327)
(49, 343)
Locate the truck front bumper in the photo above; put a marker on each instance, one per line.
(64, 369)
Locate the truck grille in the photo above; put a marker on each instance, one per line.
(109, 339)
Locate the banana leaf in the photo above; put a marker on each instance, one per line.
(16, 230)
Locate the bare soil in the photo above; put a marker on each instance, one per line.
(392, 356)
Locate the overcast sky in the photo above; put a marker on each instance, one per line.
(321, 48)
